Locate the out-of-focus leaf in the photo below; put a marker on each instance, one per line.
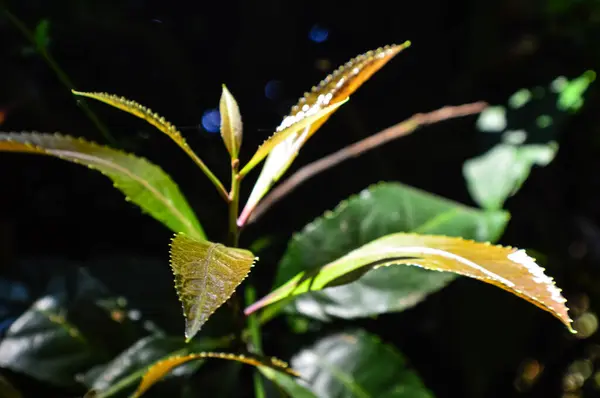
(7, 390)
(41, 34)
(335, 88)
(378, 211)
(206, 275)
(282, 134)
(498, 174)
(571, 93)
(505, 267)
(42, 343)
(143, 183)
(287, 383)
(160, 369)
(357, 364)
(231, 123)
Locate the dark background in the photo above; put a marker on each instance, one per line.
(466, 341)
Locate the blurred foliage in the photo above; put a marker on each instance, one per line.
(93, 287)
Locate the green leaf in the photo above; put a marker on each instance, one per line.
(282, 134)
(157, 371)
(378, 211)
(505, 267)
(357, 364)
(231, 123)
(336, 88)
(142, 182)
(287, 383)
(498, 174)
(131, 365)
(41, 35)
(571, 93)
(206, 275)
(45, 345)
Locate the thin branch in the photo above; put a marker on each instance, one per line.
(358, 148)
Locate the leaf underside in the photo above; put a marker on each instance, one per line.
(206, 275)
(157, 371)
(508, 268)
(142, 182)
(335, 88)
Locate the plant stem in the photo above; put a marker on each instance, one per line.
(62, 76)
(234, 204)
(259, 387)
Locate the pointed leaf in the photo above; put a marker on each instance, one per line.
(357, 364)
(231, 123)
(160, 369)
(143, 183)
(506, 267)
(337, 87)
(206, 275)
(377, 211)
(300, 124)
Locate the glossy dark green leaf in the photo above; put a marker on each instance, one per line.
(378, 211)
(43, 344)
(357, 364)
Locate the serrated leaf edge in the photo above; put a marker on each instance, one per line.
(93, 144)
(188, 339)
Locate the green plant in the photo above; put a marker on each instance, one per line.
(373, 254)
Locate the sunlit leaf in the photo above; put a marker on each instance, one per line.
(335, 88)
(377, 211)
(157, 121)
(143, 183)
(231, 123)
(160, 369)
(356, 364)
(506, 267)
(571, 93)
(499, 173)
(281, 135)
(206, 275)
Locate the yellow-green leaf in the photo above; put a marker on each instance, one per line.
(337, 87)
(508, 268)
(157, 121)
(206, 275)
(301, 122)
(161, 368)
(143, 183)
(231, 123)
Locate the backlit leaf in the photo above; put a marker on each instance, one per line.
(160, 369)
(337, 87)
(206, 275)
(377, 211)
(142, 182)
(148, 115)
(357, 364)
(281, 135)
(231, 123)
(506, 267)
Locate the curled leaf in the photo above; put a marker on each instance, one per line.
(206, 275)
(336, 88)
(231, 123)
(161, 368)
(282, 134)
(143, 183)
(508, 268)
